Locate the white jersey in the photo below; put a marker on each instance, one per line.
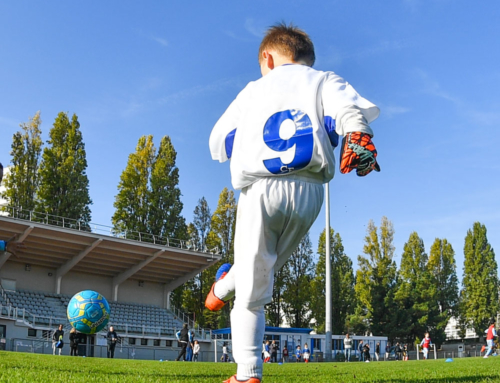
(288, 122)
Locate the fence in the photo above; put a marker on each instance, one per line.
(100, 351)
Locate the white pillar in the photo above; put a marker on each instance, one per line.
(328, 279)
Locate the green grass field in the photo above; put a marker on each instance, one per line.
(23, 367)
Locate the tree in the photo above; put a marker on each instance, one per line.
(297, 295)
(64, 185)
(202, 221)
(479, 301)
(165, 206)
(23, 181)
(416, 294)
(376, 280)
(274, 310)
(443, 270)
(220, 236)
(342, 285)
(224, 222)
(148, 199)
(132, 200)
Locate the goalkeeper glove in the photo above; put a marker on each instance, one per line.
(358, 152)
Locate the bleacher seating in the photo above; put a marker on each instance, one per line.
(130, 317)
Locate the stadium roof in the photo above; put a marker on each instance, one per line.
(67, 250)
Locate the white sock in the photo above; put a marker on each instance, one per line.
(247, 329)
(224, 288)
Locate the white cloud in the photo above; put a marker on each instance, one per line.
(159, 40)
(392, 110)
(253, 29)
(473, 115)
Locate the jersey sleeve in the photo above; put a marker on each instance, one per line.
(346, 108)
(222, 136)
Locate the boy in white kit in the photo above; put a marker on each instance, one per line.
(280, 133)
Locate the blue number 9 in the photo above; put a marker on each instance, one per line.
(302, 139)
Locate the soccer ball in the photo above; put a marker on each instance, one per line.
(88, 312)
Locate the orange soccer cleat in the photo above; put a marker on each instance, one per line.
(212, 302)
(233, 379)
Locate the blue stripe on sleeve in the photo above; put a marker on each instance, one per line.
(229, 143)
(330, 130)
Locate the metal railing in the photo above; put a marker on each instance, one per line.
(76, 224)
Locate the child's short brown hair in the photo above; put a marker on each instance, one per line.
(289, 41)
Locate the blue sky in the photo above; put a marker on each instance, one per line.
(130, 68)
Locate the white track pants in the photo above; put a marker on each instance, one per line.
(273, 216)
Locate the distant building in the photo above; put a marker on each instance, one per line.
(452, 330)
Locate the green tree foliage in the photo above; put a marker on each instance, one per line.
(342, 285)
(165, 206)
(443, 271)
(64, 185)
(224, 222)
(221, 237)
(416, 294)
(297, 295)
(202, 220)
(132, 200)
(479, 297)
(194, 291)
(148, 199)
(22, 183)
(274, 310)
(376, 281)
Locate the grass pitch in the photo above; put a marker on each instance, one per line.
(23, 367)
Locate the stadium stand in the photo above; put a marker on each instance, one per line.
(136, 272)
(39, 308)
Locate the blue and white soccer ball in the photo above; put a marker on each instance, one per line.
(88, 312)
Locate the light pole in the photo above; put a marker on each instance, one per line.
(328, 279)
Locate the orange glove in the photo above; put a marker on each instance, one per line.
(358, 152)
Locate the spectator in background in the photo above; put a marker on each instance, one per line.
(225, 353)
(361, 353)
(183, 337)
(377, 351)
(57, 340)
(73, 342)
(387, 350)
(398, 351)
(285, 354)
(189, 351)
(347, 347)
(196, 350)
(366, 352)
(273, 350)
(112, 338)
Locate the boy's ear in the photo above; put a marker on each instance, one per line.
(268, 59)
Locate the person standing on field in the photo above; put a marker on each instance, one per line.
(73, 342)
(57, 340)
(280, 133)
(111, 338)
(183, 337)
(196, 350)
(347, 347)
(377, 351)
(285, 354)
